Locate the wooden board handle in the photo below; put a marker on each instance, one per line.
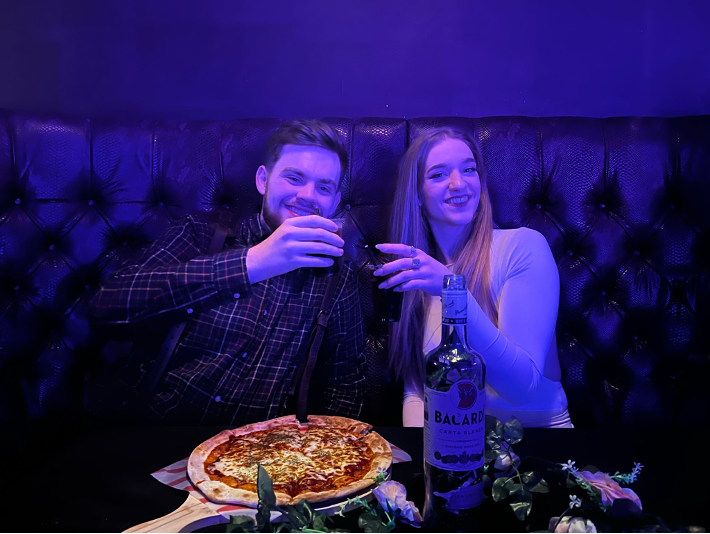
(191, 515)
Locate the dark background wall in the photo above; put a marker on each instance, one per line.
(400, 58)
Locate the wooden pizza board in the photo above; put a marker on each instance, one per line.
(193, 515)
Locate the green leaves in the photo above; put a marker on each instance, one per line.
(502, 488)
(267, 500)
(241, 523)
(510, 432)
(519, 487)
(513, 431)
(522, 502)
(370, 522)
(534, 482)
(494, 428)
(299, 518)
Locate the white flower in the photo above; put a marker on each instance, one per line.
(573, 524)
(569, 466)
(574, 501)
(392, 496)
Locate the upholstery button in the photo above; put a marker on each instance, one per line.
(51, 247)
(161, 203)
(236, 295)
(603, 292)
(189, 310)
(124, 243)
(244, 355)
(602, 206)
(18, 201)
(569, 252)
(225, 206)
(671, 206)
(347, 207)
(90, 202)
(217, 398)
(637, 252)
(538, 206)
(266, 312)
(636, 337)
(86, 286)
(17, 288)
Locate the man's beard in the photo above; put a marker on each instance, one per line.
(271, 219)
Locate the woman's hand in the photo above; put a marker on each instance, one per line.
(415, 270)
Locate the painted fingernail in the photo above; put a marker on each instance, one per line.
(378, 247)
(378, 272)
(383, 285)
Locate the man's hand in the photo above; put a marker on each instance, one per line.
(292, 246)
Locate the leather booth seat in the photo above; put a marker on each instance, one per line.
(623, 202)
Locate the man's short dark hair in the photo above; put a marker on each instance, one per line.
(306, 133)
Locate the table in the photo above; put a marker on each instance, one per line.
(75, 494)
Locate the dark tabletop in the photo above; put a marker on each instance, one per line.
(99, 480)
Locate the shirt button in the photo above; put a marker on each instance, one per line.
(236, 295)
(217, 398)
(189, 310)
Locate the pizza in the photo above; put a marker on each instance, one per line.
(333, 457)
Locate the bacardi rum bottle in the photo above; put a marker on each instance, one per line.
(454, 420)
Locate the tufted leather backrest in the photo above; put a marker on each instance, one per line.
(624, 204)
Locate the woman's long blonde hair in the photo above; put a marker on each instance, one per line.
(410, 226)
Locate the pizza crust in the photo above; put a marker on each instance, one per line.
(220, 492)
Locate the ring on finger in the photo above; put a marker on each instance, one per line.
(412, 251)
(415, 263)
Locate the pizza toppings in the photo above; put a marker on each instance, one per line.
(333, 457)
(295, 461)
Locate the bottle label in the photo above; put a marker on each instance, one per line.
(454, 303)
(455, 427)
(463, 498)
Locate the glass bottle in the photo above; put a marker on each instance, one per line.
(454, 420)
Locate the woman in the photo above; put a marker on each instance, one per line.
(442, 224)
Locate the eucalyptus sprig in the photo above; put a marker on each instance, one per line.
(299, 518)
(519, 487)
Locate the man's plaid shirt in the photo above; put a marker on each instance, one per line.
(242, 343)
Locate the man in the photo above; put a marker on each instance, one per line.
(250, 308)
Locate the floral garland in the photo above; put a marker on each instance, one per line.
(597, 501)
